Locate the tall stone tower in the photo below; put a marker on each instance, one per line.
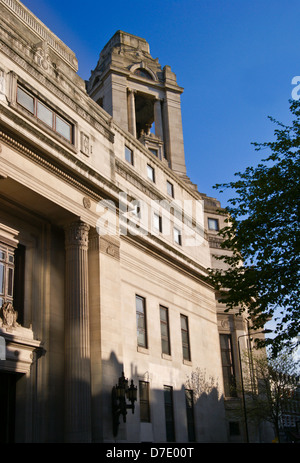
(141, 96)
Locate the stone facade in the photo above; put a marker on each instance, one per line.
(82, 259)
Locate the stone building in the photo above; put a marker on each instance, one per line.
(104, 248)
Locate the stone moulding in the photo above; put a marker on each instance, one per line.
(36, 26)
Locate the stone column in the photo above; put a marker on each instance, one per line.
(158, 119)
(131, 113)
(77, 336)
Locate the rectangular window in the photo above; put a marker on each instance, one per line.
(157, 222)
(144, 402)
(170, 189)
(45, 114)
(129, 155)
(227, 365)
(185, 337)
(169, 414)
(150, 173)
(213, 224)
(164, 329)
(25, 100)
(189, 402)
(6, 274)
(141, 321)
(177, 236)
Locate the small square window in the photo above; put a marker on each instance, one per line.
(128, 155)
(170, 189)
(150, 173)
(154, 151)
(213, 224)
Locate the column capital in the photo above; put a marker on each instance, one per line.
(77, 234)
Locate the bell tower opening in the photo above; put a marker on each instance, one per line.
(144, 113)
(141, 96)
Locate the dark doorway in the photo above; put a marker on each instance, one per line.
(8, 383)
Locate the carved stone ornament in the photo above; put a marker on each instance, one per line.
(85, 144)
(41, 55)
(86, 202)
(8, 316)
(77, 234)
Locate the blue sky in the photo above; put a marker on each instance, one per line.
(235, 59)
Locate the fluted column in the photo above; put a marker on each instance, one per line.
(77, 336)
(131, 113)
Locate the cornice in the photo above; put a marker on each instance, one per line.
(92, 114)
(21, 13)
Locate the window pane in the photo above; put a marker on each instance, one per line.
(63, 128)
(170, 189)
(1, 279)
(213, 224)
(25, 100)
(150, 173)
(10, 279)
(44, 114)
(141, 322)
(177, 236)
(128, 155)
(157, 222)
(144, 401)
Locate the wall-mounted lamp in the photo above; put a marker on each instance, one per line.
(121, 392)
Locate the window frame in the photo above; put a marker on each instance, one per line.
(7, 274)
(228, 369)
(130, 157)
(190, 414)
(165, 338)
(152, 170)
(215, 221)
(169, 413)
(177, 236)
(56, 114)
(159, 217)
(185, 340)
(145, 412)
(141, 315)
(170, 189)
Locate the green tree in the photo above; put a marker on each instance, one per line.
(262, 232)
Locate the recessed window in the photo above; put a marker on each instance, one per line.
(228, 365)
(177, 236)
(45, 114)
(154, 151)
(213, 224)
(169, 414)
(185, 337)
(189, 402)
(144, 402)
(157, 222)
(141, 321)
(164, 330)
(150, 173)
(6, 274)
(136, 210)
(129, 155)
(143, 73)
(170, 189)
